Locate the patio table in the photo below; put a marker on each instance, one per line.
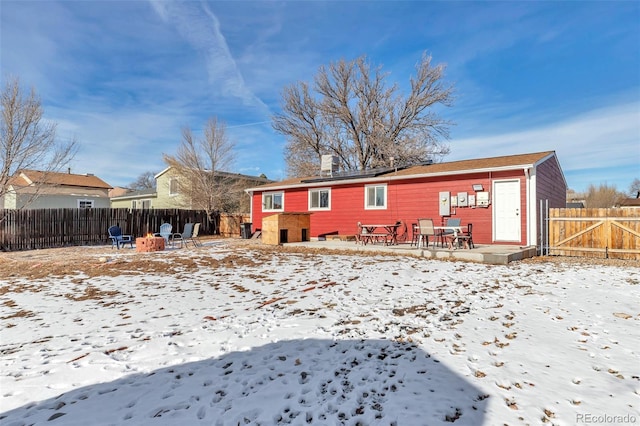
(387, 231)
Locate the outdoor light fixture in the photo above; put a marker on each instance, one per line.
(477, 187)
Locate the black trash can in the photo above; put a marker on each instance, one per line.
(246, 230)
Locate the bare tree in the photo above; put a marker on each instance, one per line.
(353, 115)
(202, 167)
(146, 180)
(634, 188)
(603, 196)
(27, 140)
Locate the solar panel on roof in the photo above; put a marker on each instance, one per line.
(351, 174)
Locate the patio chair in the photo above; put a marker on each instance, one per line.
(117, 239)
(426, 230)
(363, 236)
(466, 237)
(194, 236)
(443, 234)
(165, 232)
(415, 233)
(185, 236)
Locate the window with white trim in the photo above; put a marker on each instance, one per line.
(273, 202)
(173, 186)
(320, 199)
(85, 204)
(375, 197)
(141, 204)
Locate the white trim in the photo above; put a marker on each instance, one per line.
(389, 178)
(177, 183)
(84, 200)
(135, 197)
(139, 204)
(310, 191)
(494, 197)
(250, 193)
(162, 172)
(555, 157)
(530, 206)
(281, 209)
(375, 185)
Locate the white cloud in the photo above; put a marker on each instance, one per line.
(198, 25)
(603, 138)
(117, 146)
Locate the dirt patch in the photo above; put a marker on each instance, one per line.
(95, 261)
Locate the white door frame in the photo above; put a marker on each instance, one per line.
(516, 234)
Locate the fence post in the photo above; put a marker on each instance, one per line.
(541, 234)
(547, 225)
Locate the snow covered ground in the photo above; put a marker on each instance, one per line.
(223, 335)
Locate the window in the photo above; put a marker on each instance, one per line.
(375, 197)
(320, 199)
(173, 186)
(85, 204)
(273, 201)
(141, 204)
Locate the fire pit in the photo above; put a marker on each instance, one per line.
(149, 243)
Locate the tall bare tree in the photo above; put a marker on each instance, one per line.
(634, 188)
(146, 180)
(27, 140)
(352, 114)
(202, 166)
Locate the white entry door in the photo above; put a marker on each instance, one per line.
(506, 211)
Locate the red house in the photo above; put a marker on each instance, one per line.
(500, 196)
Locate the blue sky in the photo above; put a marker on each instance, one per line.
(125, 77)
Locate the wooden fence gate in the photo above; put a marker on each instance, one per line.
(602, 233)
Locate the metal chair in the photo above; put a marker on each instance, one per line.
(363, 236)
(194, 236)
(445, 233)
(425, 230)
(467, 236)
(117, 239)
(185, 236)
(415, 233)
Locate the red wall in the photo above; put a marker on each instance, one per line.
(407, 200)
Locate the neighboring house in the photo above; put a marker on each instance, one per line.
(575, 205)
(499, 196)
(630, 203)
(142, 199)
(118, 191)
(56, 190)
(169, 192)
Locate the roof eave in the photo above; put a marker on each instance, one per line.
(389, 177)
(136, 196)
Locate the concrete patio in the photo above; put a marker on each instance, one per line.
(482, 253)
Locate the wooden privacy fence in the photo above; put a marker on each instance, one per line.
(603, 233)
(230, 224)
(48, 228)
